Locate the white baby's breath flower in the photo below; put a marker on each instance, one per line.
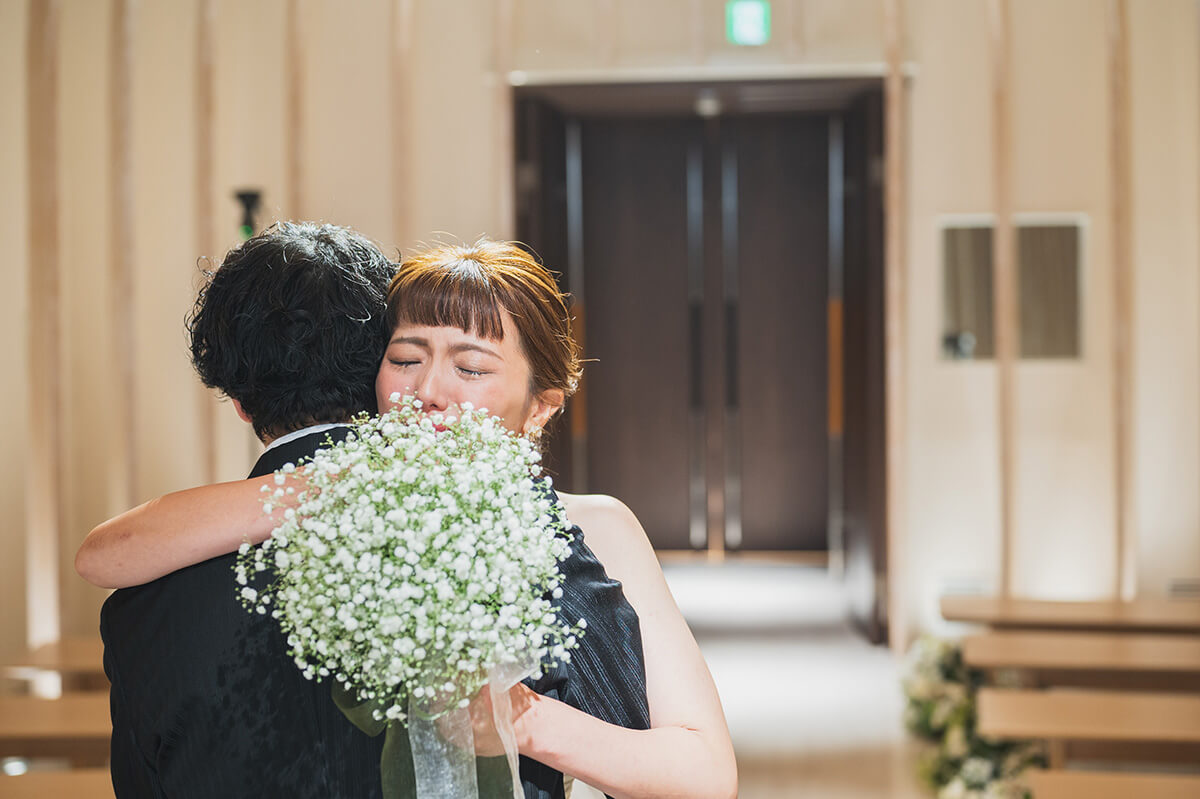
(415, 558)
(976, 771)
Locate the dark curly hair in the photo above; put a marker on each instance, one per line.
(293, 326)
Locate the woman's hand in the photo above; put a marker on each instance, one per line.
(483, 723)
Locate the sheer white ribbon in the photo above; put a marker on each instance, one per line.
(443, 749)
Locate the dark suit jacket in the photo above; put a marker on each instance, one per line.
(206, 702)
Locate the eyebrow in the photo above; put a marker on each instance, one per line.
(454, 348)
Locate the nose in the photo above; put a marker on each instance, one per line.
(431, 391)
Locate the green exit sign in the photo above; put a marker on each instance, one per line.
(748, 22)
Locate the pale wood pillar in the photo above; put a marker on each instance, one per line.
(123, 459)
(1120, 165)
(401, 105)
(294, 143)
(895, 317)
(502, 110)
(204, 224)
(1004, 278)
(45, 474)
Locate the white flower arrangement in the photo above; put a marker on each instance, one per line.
(414, 557)
(940, 690)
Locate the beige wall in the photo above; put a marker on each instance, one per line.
(953, 530)
(1166, 249)
(446, 168)
(14, 320)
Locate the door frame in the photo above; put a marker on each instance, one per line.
(795, 88)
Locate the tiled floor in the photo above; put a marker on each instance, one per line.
(814, 711)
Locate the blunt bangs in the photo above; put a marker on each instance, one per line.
(460, 296)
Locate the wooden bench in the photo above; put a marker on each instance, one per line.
(1118, 652)
(76, 726)
(1060, 784)
(1059, 714)
(1135, 671)
(1142, 615)
(92, 783)
(80, 661)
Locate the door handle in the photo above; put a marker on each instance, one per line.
(695, 320)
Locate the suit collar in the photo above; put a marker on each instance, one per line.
(292, 451)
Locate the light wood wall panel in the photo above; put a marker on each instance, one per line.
(1120, 220)
(1165, 193)
(295, 139)
(251, 103)
(1005, 288)
(841, 31)
(204, 227)
(120, 254)
(94, 470)
(44, 483)
(346, 81)
(166, 251)
(453, 150)
(1065, 459)
(895, 310)
(401, 79)
(552, 35)
(14, 319)
(250, 144)
(630, 34)
(642, 34)
(952, 465)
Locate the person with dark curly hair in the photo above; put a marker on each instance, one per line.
(205, 699)
(291, 327)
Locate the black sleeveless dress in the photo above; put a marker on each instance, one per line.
(606, 676)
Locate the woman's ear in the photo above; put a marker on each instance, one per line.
(545, 405)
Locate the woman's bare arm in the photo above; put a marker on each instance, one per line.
(687, 751)
(173, 531)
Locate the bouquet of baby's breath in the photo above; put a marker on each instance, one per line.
(417, 555)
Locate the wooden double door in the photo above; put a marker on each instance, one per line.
(701, 254)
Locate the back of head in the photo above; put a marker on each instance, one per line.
(293, 325)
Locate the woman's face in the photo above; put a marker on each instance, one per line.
(445, 367)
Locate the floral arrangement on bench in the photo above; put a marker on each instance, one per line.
(940, 690)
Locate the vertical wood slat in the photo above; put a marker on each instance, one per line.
(294, 143)
(45, 477)
(121, 258)
(1120, 153)
(503, 188)
(205, 228)
(791, 18)
(401, 96)
(604, 17)
(895, 319)
(699, 44)
(1004, 277)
